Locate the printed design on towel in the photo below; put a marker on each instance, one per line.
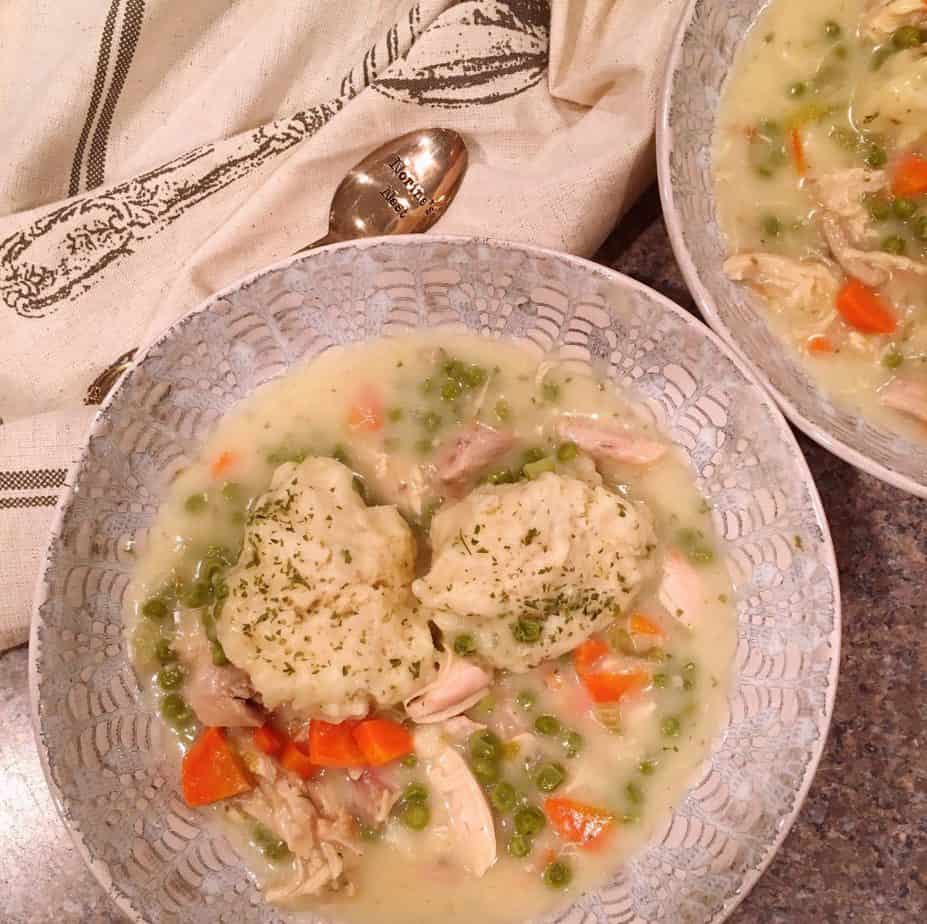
(32, 479)
(99, 120)
(41, 500)
(476, 53)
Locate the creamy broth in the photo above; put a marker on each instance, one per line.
(823, 111)
(631, 757)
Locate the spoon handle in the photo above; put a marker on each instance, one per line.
(321, 242)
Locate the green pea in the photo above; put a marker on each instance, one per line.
(526, 631)
(878, 206)
(197, 595)
(454, 368)
(558, 874)
(451, 390)
(920, 227)
(409, 761)
(772, 226)
(894, 244)
(232, 492)
(369, 833)
(474, 376)
(670, 726)
(486, 770)
(534, 454)
(415, 792)
(503, 797)
(535, 469)
(660, 680)
(415, 815)
(519, 846)
(572, 743)
(464, 645)
(155, 608)
(844, 138)
(526, 699)
(196, 503)
(876, 156)
(567, 451)
(647, 767)
(171, 678)
(634, 794)
(904, 208)
(529, 821)
(906, 37)
(164, 652)
(892, 359)
(832, 29)
(550, 392)
(797, 89)
(486, 744)
(219, 658)
(548, 777)
(547, 725)
(431, 421)
(503, 411)
(696, 547)
(174, 708)
(503, 476)
(276, 851)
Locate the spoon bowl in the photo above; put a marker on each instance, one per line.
(403, 187)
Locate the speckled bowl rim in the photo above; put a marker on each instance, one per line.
(706, 302)
(99, 869)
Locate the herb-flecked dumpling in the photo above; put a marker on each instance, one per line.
(319, 611)
(532, 569)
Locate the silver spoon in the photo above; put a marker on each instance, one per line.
(403, 187)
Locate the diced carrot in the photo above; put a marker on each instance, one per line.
(639, 624)
(296, 760)
(212, 770)
(577, 822)
(819, 344)
(222, 463)
(909, 178)
(268, 740)
(607, 687)
(366, 412)
(382, 740)
(797, 150)
(549, 856)
(863, 308)
(334, 745)
(588, 654)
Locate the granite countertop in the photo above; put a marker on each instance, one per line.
(858, 852)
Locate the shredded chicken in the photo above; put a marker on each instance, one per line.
(906, 395)
(608, 441)
(682, 591)
(841, 192)
(804, 284)
(883, 17)
(468, 453)
(392, 479)
(459, 685)
(872, 267)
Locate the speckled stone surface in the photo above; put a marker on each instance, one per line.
(858, 852)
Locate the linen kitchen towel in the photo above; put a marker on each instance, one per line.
(156, 150)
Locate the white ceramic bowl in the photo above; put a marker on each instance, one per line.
(701, 58)
(155, 856)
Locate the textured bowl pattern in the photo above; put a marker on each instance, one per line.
(98, 739)
(699, 64)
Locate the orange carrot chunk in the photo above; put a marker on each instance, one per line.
(381, 741)
(587, 655)
(334, 745)
(797, 150)
(212, 770)
(639, 624)
(577, 822)
(863, 308)
(268, 740)
(296, 760)
(909, 178)
(819, 344)
(606, 687)
(366, 411)
(222, 463)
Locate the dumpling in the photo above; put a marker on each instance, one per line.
(531, 569)
(319, 611)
